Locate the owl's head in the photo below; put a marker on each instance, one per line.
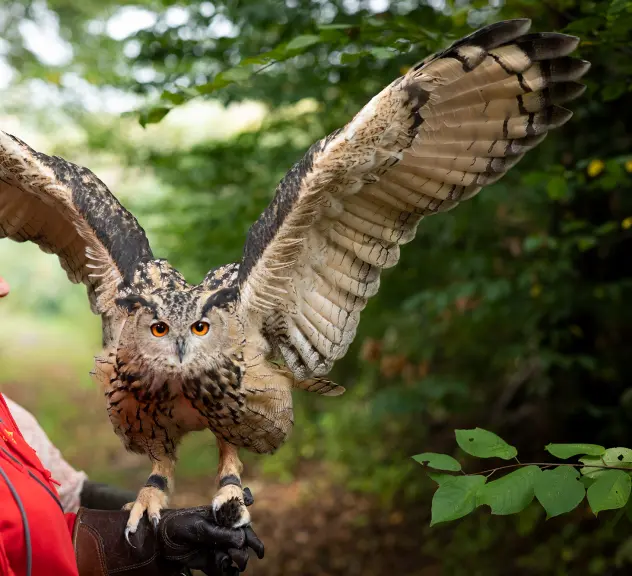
(177, 332)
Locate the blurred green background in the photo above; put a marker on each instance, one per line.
(511, 312)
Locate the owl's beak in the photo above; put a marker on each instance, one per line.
(181, 348)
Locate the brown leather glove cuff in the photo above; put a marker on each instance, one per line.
(98, 531)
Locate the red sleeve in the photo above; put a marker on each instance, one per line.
(70, 520)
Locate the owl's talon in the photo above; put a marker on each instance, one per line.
(249, 499)
(229, 508)
(150, 500)
(128, 530)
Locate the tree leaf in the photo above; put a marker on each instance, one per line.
(302, 42)
(229, 76)
(455, 498)
(587, 481)
(484, 444)
(438, 461)
(236, 74)
(617, 6)
(382, 53)
(610, 491)
(565, 451)
(557, 188)
(336, 26)
(153, 115)
(440, 478)
(619, 457)
(559, 490)
(511, 493)
(350, 57)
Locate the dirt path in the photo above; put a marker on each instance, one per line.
(312, 530)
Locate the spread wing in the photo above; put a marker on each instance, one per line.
(66, 210)
(454, 123)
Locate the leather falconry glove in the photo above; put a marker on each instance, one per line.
(184, 539)
(99, 496)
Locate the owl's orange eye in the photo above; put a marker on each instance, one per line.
(159, 329)
(200, 328)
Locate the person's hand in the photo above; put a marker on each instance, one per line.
(4, 287)
(191, 538)
(183, 540)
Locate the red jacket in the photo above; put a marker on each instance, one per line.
(26, 484)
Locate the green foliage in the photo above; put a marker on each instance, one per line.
(559, 490)
(620, 457)
(438, 461)
(455, 497)
(510, 494)
(484, 444)
(564, 451)
(610, 491)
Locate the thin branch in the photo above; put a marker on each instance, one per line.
(265, 66)
(491, 471)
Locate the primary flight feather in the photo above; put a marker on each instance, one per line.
(178, 358)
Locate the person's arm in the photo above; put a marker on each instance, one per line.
(71, 482)
(75, 489)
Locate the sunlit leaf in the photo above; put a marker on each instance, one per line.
(617, 457)
(484, 444)
(235, 74)
(153, 115)
(595, 168)
(303, 42)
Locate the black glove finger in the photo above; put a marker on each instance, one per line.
(224, 537)
(239, 557)
(249, 499)
(252, 541)
(224, 564)
(217, 564)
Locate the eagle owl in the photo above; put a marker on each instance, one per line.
(227, 353)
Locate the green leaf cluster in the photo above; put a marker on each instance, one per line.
(603, 479)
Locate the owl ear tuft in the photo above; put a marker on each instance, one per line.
(134, 302)
(220, 299)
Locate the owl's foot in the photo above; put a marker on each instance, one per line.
(151, 500)
(229, 506)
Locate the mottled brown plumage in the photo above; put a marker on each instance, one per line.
(227, 353)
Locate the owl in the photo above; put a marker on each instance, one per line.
(226, 354)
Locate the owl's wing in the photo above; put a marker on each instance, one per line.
(452, 124)
(66, 210)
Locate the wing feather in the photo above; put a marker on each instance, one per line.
(453, 124)
(66, 210)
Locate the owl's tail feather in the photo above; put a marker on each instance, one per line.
(320, 386)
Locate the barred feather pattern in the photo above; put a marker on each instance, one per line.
(66, 210)
(433, 138)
